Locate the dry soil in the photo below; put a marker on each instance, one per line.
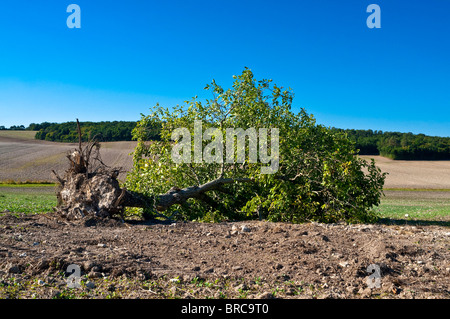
(253, 259)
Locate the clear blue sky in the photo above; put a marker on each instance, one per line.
(128, 55)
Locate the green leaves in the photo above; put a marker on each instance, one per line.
(319, 177)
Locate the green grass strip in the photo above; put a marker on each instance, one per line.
(27, 203)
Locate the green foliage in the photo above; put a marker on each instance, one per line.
(400, 146)
(319, 176)
(103, 131)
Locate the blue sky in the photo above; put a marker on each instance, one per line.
(128, 55)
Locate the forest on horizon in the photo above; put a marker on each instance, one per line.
(394, 145)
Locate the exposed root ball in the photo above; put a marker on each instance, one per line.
(89, 187)
(83, 196)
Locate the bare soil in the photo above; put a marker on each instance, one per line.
(251, 259)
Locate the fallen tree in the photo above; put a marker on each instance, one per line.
(311, 173)
(90, 188)
(300, 171)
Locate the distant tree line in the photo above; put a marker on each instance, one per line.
(13, 128)
(400, 146)
(101, 131)
(394, 145)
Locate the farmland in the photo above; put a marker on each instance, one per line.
(22, 158)
(26, 199)
(417, 188)
(204, 260)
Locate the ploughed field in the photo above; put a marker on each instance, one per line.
(22, 158)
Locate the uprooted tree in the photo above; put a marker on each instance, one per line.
(318, 174)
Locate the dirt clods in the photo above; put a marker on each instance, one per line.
(252, 259)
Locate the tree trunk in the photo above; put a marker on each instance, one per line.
(176, 195)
